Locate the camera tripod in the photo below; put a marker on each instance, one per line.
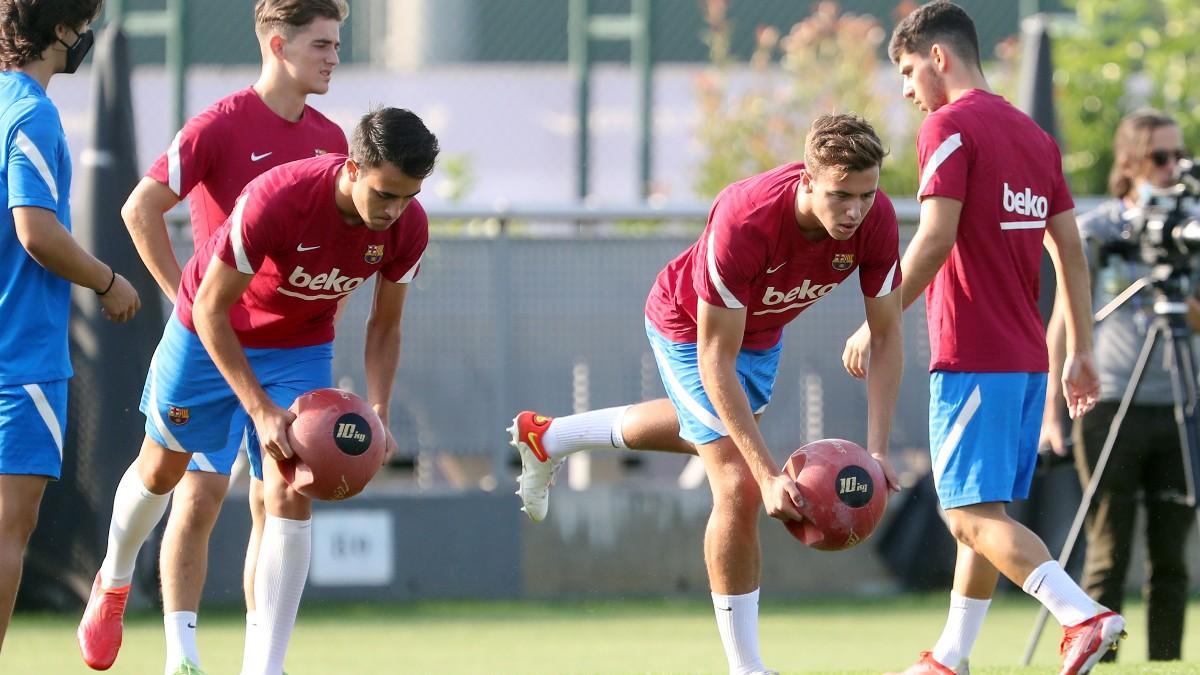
(1170, 323)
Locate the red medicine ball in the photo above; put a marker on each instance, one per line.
(339, 444)
(844, 492)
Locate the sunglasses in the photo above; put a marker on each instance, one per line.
(1162, 158)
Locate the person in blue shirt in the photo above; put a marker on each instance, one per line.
(39, 260)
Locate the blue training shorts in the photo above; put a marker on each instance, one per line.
(33, 422)
(189, 406)
(983, 434)
(241, 435)
(680, 372)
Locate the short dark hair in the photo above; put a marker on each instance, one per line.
(27, 26)
(942, 22)
(396, 136)
(1130, 145)
(844, 142)
(287, 17)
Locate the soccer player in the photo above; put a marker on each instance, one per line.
(39, 261)
(775, 244)
(252, 330)
(212, 158)
(991, 191)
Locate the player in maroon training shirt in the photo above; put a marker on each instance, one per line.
(775, 244)
(210, 161)
(252, 330)
(991, 191)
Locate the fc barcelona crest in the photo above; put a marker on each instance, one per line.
(178, 416)
(374, 253)
(843, 261)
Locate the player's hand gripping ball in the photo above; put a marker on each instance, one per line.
(844, 491)
(339, 444)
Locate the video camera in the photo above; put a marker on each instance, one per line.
(1164, 227)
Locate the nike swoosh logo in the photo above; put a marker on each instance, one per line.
(301, 248)
(255, 157)
(773, 270)
(725, 609)
(191, 625)
(537, 449)
(781, 310)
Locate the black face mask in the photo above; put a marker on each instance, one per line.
(76, 52)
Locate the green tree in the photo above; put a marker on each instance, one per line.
(828, 62)
(1120, 56)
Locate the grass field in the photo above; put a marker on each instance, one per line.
(842, 636)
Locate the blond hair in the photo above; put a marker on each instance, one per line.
(844, 142)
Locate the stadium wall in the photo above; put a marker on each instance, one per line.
(627, 540)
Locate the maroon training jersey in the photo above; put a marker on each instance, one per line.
(982, 305)
(231, 143)
(286, 230)
(752, 254)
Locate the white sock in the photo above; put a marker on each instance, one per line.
(136, 510)
(737, 621)
(181, 639)
(283, 559)
(963, 624)
(251, 649)
(1055, 589)
(592, 430)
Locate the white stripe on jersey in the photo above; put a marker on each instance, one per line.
(235, 238)
(302, 296)
(887, 283)
(174, 170)
(1023, 225)
(409, 275)
(781, 310)
(956, 431)
(693, 406)
(27, 148)
(947, 148)
(47, 412)
(730, 299)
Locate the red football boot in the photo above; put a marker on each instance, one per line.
(927, 665)
(1086, 642)
(99, 632)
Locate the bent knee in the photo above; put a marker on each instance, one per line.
(198, 512)
(282, 500)
(159, 481)
(203, 490)
(965, 523)
(159, 468)
(736, 489)
(962, 532)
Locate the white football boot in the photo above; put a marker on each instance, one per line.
(538, 469)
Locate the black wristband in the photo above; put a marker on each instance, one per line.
(111, 281)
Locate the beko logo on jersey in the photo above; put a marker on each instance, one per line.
(1025, 203)
(801, 296)
(331, 281)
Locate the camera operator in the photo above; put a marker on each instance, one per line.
(1146, 463)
